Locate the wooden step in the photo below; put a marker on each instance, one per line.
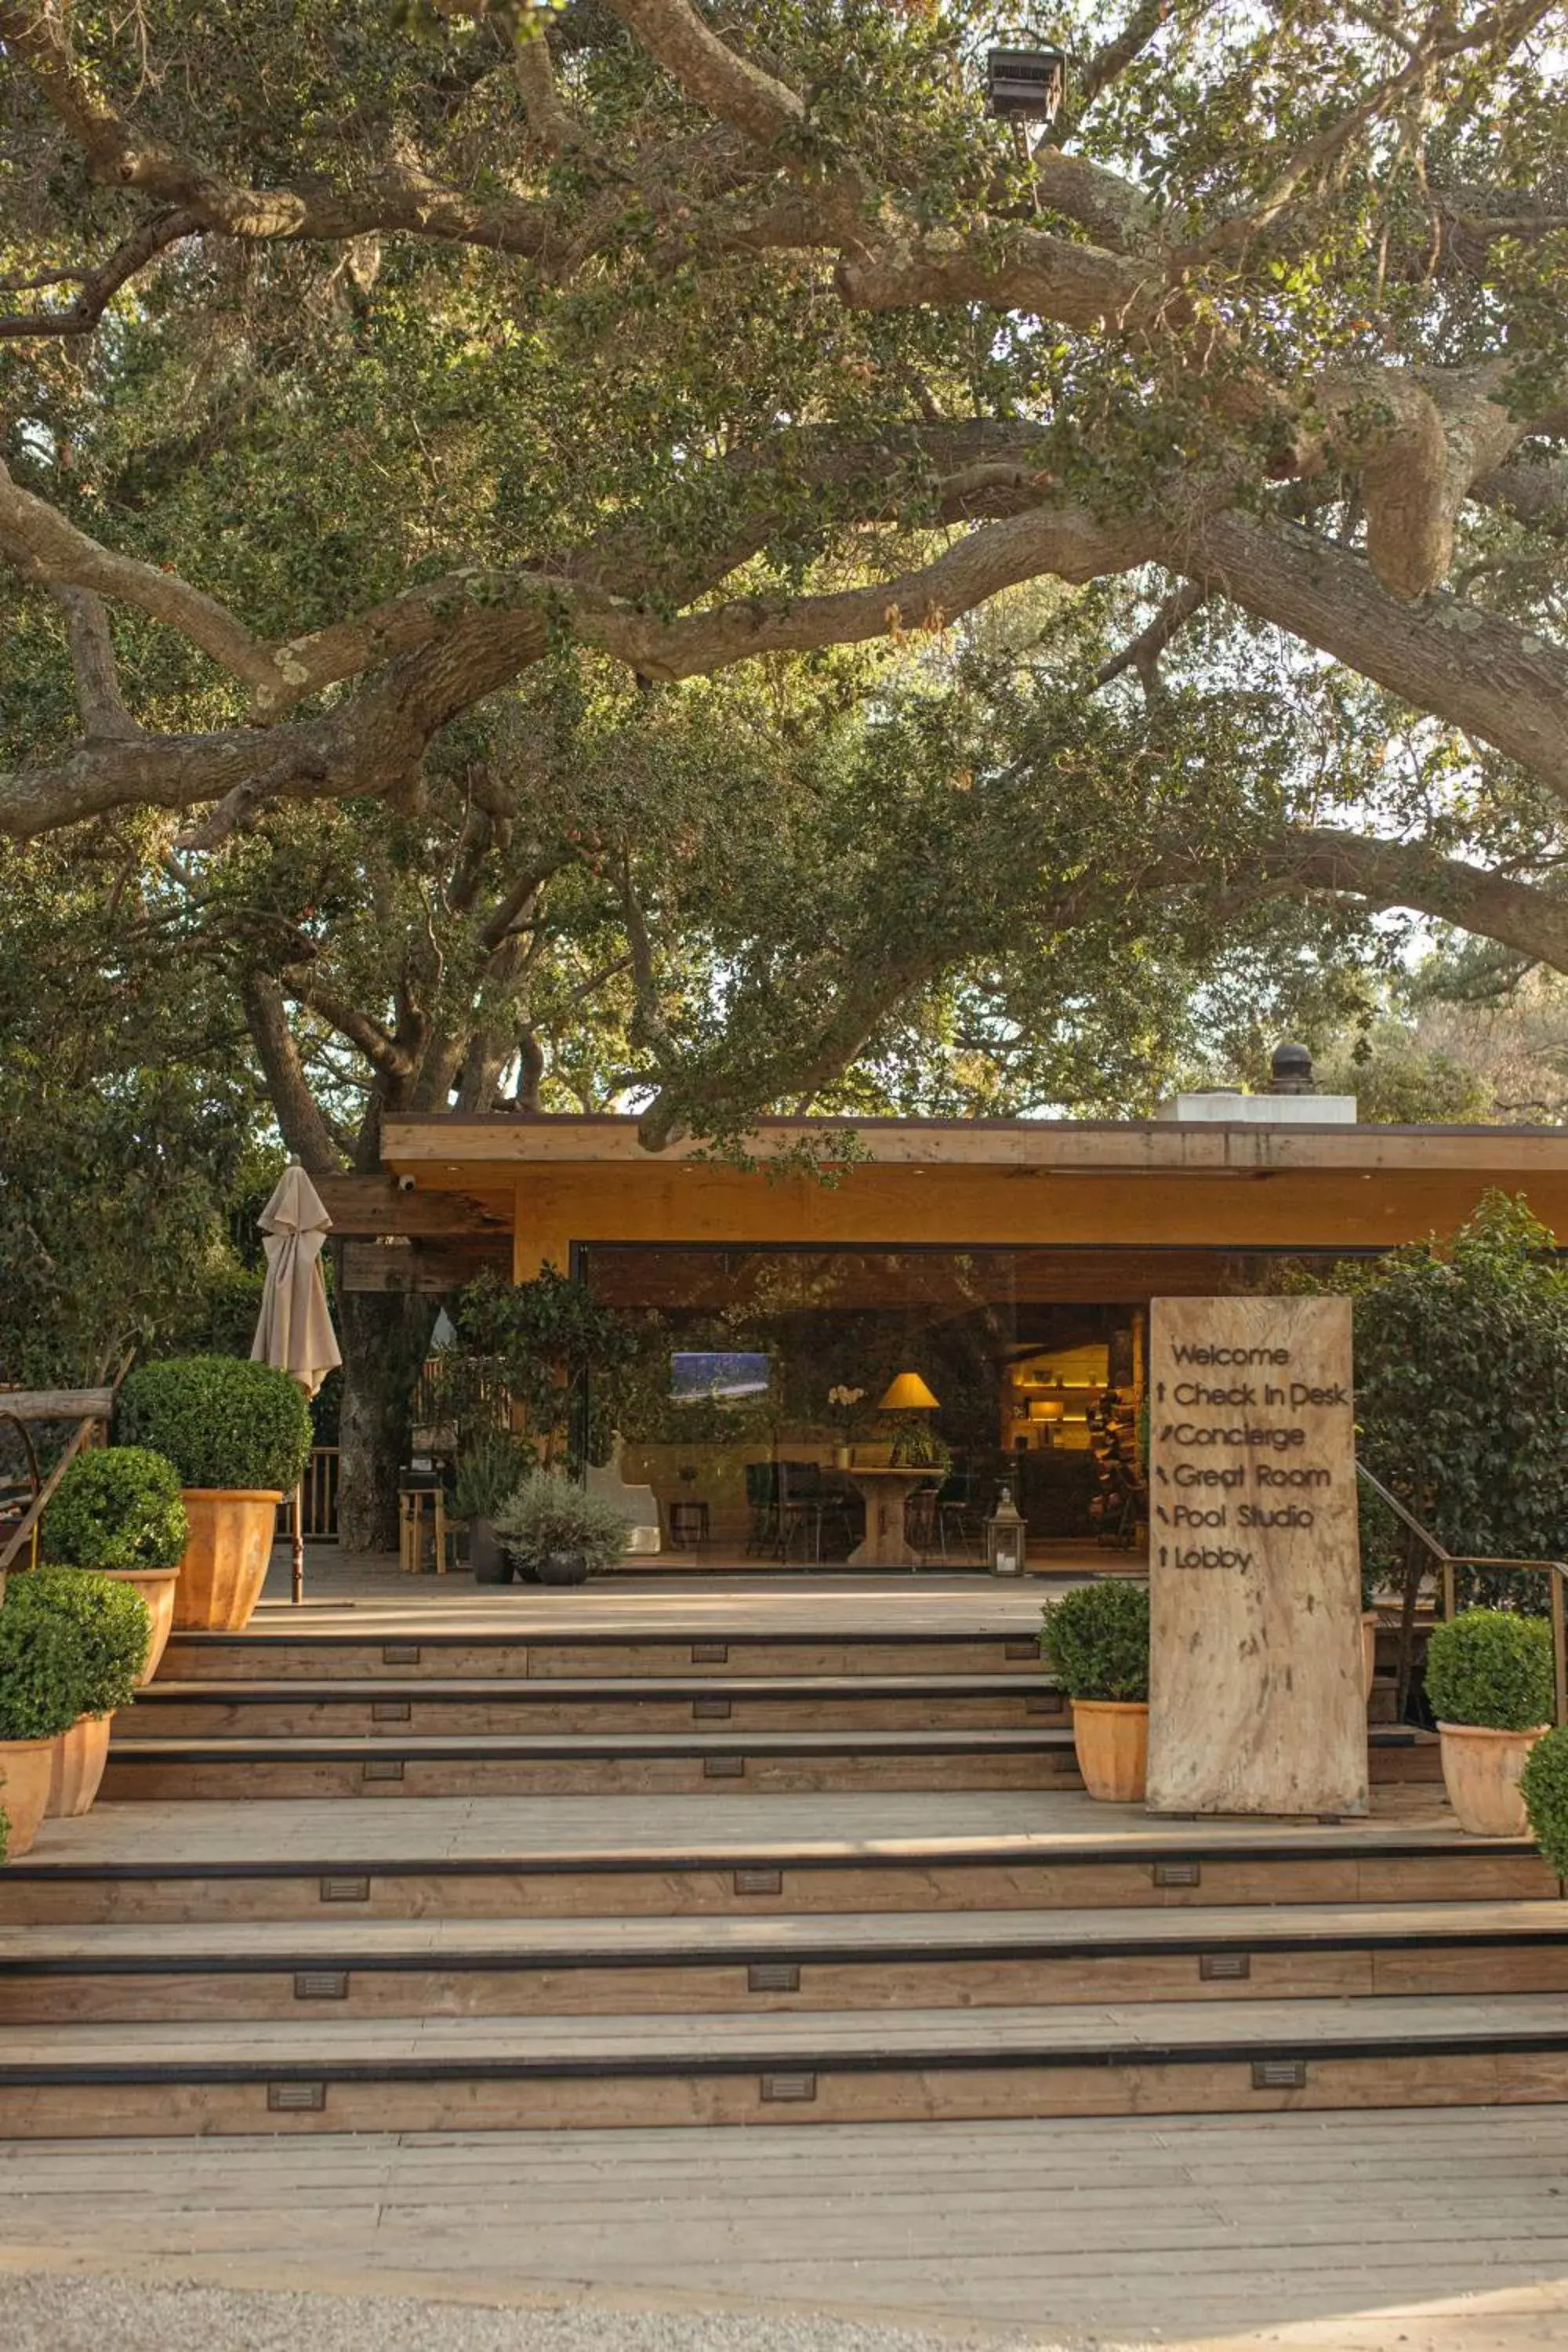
(718, 1856)
(280, 1653)
(564, 1763)
(351, 2075)
(377, 1705)
(253, 1969)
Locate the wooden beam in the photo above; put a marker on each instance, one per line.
(56, 1404)
(371, 1206)
(427, 1268)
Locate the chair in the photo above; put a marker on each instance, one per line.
(763, 1502)
(922, 1522)
(843, 1520)
(689, 1524)
(423, 1531)
(800, 1506)
(960, 1515)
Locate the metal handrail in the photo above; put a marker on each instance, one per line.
(1448, 1561)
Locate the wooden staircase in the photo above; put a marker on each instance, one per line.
(632, 1880)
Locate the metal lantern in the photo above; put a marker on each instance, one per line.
(1007, 1537)
(1024, 85)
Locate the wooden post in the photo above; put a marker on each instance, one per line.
(297, 1544)
(1257, 1696)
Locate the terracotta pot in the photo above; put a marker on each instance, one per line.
(25, 1766)
(80, 1757)
(1111, 1737)
(157, 1586)
(1369, 1648)
(1480, 1772)
(226, 1560)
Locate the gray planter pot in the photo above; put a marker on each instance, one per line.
(562, 1568)
(488, 1562)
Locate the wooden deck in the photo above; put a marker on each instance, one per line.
(1438, 2232)
(1091, 2074)
(348, 1590)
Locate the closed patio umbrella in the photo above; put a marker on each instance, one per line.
(294, 1330)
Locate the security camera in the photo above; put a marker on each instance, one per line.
(406, 1184)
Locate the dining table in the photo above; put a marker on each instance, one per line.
(886, 1491)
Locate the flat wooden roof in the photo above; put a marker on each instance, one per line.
(1022, 1147)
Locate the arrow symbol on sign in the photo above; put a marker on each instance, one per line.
(1162, 1513)
(1163, 1476)
(1160, 1391)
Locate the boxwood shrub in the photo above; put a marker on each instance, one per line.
(119, 1507)
(113, 1623)
(1490, 1667)
(1545, 1785)
(43, 1672)
(220, 1419)
(1097, 1639)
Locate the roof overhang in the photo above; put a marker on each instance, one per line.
(430, 1144)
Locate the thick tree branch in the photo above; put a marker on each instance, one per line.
(380, 1047)
(48, 549)
(1069, 543)
(1111, 59)
(399, 196)
(1475, 670)
(756, 102)
(548, 117)
(305, 1131)
(155, 233)
(1533, 490)
(98, 702)
(1523, 916)
(1144, 651)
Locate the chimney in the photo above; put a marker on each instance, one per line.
(1290, 1073)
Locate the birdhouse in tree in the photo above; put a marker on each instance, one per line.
(1025, 85)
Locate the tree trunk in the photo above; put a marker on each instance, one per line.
(385, 1340)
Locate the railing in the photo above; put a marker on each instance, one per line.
(1447, 1562)
(87, 1408)
(320, 1495)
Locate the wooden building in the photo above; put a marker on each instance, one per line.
(1008, 1264)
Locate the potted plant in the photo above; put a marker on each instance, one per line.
(1543, 1785)
(239, 1434)
(1097, 1639)
(1371, 1581)
(119, 1510)
(42, 1680)
(489, 1467)
(845, 1404)
(918, 1446)
(1490, 1684)
(557, 1532)
(114, 1626)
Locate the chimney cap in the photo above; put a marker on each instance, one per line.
(1291, 1072)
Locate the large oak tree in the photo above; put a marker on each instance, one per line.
(733, 329)
(376, 386)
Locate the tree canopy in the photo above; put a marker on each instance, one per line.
(361, 361)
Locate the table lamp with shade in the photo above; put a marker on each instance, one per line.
(1045, 1416)
(908, 1396)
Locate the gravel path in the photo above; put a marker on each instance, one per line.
(55, 2312)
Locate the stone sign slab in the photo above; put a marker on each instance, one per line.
(1257, 1698)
